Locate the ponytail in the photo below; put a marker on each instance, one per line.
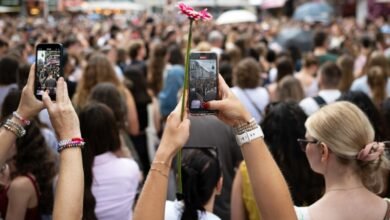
(377, 80)
(191, 198)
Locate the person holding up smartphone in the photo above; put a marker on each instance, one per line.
(269, 187)
(69, 193)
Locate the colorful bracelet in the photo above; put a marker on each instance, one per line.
(71, 143)
(15, 128)
(24, 121)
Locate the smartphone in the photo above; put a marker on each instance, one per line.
(48, 68)
(203, 81)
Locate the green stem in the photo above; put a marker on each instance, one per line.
(183, 103)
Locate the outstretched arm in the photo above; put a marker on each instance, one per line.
(151, 204)
(68, 202)
(269, 187)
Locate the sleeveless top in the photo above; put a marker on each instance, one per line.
(31, 213)
(247, 195)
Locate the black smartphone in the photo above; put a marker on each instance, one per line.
(48, 68)
(203, 81)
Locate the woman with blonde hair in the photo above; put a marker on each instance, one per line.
(340, 145)
(99, 70)
(377, 80)
(377, 58)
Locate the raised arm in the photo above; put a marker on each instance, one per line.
(269, 187)
(68, 202)
(28, 107)
(151, 204)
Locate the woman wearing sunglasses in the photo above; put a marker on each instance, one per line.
(270, 189)
(340, 145)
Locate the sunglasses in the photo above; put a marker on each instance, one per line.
(304, 142)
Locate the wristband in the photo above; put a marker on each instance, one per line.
(15, 128)
(250, 135)
(71, 143)
(24, 121)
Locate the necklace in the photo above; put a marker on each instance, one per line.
(345, 189)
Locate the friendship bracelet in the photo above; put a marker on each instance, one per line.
(24, 121)
(15, 128)
(159, 171)
(72, 143)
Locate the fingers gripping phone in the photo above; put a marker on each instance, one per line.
(203, 81)
(48, 68)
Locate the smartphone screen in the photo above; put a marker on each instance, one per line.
(48, 69)
(203, 81)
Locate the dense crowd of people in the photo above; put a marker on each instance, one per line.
(105, 148)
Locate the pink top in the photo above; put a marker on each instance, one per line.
(114, 186)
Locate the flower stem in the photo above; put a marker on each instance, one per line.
(183, 103)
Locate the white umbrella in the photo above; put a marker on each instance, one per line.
(236, 16)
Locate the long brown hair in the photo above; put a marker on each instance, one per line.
(346, 65)
(33, 156)
(99, 69)
(377, 80)
(156, 68)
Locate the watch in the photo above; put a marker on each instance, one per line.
(250, 135)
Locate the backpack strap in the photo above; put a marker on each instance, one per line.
(319, 100)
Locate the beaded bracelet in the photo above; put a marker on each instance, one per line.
(74, 142)
(24, 121)
(251, 125)
(15, 128)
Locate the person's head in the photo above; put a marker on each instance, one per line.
(377, 58)
(111, 52)
(32, 156)
(320, 39)
(22, 76)
(285, 67)
(346, 65)
(9, 68)
(361, 100)
(366, 42)
(235, 55)
(137, 51)
(283, 124)
(215, 38)
(247, 74)
(98, 69)
(138, 86)
(156, 67)
(106, 93)
(203, 46)
(377, 80)
(290, 89)
(340, 131)
(202, 179)
(101, 134)
(310, 63)
(175, 55)
(329, 76)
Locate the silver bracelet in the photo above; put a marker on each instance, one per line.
(15, 128)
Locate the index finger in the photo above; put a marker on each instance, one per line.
(60, 91)
(31, 77)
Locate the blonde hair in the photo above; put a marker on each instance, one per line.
(290, 89)
(99, 69)
(345, 129)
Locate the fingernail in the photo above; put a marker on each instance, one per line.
(206, 105)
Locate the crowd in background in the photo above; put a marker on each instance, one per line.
(125, 76)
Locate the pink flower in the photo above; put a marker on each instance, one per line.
(192, 14)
